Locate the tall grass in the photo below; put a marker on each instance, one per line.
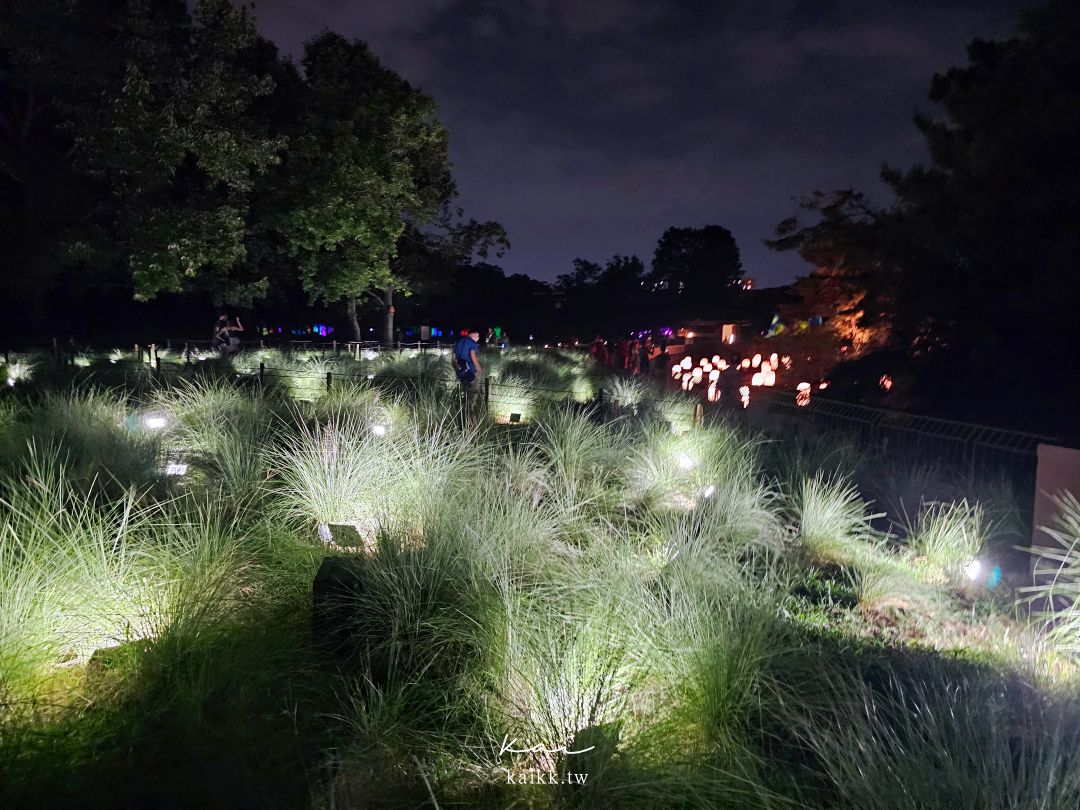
(220, 430)
(615, 585)
(942, 737)
(80, 574)
(948, 537)
(1057, 577)
(833, 523)
(96, 432)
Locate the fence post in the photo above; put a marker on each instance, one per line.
(600, 402)
(329, 380)
(262, 372)
(187, 354)
(487, 396)
(56, 352)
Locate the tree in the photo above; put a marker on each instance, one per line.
(608, 298)
(695, 269)
(136, 147)
(427, 258)
(371, 157)
(977, 257)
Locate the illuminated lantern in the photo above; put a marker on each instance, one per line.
(716, 360)
(823, 385)
(714, 375)
(786, 360)
(766, 366)
(745, 362)
(676, 371)
(687, 381)
(707, 366)
(698, 374)
(885, 382)
(756, 361)
(714, 395)
(744, 396)
(687, 363)
(802, 396)
(774, 360)
(756, 379)
(768, 378)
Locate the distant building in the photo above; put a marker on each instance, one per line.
(709, 332)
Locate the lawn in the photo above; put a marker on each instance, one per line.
(537, 585)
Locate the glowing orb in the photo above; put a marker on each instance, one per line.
(973, 570)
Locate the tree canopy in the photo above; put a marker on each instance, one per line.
(977, 258)
(696, 268)
(164, 149)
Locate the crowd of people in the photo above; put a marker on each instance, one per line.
(632, 356)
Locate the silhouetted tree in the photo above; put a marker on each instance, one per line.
(695, 269)
(977, 258)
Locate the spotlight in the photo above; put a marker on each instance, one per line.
(176, 468)
(154, 422)
(11, 381)
(709, 491)
(974, 570)
(378, 430)
(685, 462)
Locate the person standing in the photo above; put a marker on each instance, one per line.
(645, 354)
(224, 340)
(466, 363)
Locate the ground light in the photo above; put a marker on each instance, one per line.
(378, 430)
(154, 421)
(176, 468)
(684, 461)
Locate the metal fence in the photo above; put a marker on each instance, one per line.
(888, 430)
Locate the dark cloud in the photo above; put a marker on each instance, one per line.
(589, 126)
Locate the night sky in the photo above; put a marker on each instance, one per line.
(586, 127)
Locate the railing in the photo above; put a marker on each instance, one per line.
(884, 427)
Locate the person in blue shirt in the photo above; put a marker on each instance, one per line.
(466, 364)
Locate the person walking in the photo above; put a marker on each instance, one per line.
(465, 360)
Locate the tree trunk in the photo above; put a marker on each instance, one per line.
(388, 325)
(350, 306)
